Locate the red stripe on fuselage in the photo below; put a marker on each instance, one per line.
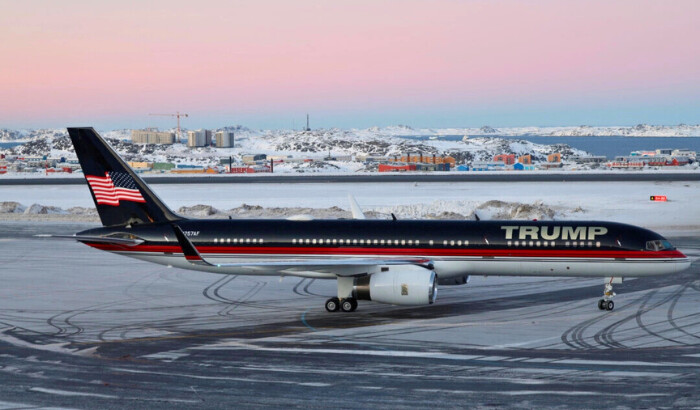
(263, 250)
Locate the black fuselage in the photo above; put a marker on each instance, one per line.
(396, 236)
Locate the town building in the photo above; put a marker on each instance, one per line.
(224, 139)
(525, 159)
(523, 167)
(593, 159)
(487, 166)
(199, 138)
(152, 136)
(253, 158)
(140, 166)
(508, 159)
(684, 152)
(555, 157)
(425, 159)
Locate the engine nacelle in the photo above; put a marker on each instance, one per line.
(406, 285)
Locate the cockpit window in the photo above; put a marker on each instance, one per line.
(659, 245)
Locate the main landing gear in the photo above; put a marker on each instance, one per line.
(606, 303)
(346, 305)
(344, 301)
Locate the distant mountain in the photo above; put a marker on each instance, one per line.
(641, 130)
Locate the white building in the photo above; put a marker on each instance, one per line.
(200, 138)
(224, 139)
(196, 138)
(683, 152)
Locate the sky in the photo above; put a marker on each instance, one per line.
(349, 63)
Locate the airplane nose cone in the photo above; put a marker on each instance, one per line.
(684, 265)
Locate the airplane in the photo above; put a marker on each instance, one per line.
(398, 262)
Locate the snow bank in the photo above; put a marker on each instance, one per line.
(439, 209)
(11, 208)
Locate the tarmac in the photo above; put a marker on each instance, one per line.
(80, 328)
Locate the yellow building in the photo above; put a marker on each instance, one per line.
(140, 165)
(424, 159)
(194, 171)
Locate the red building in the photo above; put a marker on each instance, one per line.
(396, 168)
(508, 159)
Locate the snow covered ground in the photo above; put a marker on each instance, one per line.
(626, 202)
(332, 150)
(640, 130)
(345, 147)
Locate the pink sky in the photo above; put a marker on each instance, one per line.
(351, 63)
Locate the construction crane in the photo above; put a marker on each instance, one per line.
(177, 114)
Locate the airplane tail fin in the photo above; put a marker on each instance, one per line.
(120, 196)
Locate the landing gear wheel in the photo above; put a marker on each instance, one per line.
(606, 302)
(348, 305)
(332, 304)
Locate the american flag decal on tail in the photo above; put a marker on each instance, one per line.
(114, 187)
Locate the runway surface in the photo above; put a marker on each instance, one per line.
(81, 328)
(550, 176)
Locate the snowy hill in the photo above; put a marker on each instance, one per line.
(641, 130)
(316, 145)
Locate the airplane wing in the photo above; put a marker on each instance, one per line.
(355, 208)
(96, 239)
(340, 267)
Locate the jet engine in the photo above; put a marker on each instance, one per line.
(407, 285)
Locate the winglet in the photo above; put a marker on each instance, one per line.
(355, 208)
(190, 252)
